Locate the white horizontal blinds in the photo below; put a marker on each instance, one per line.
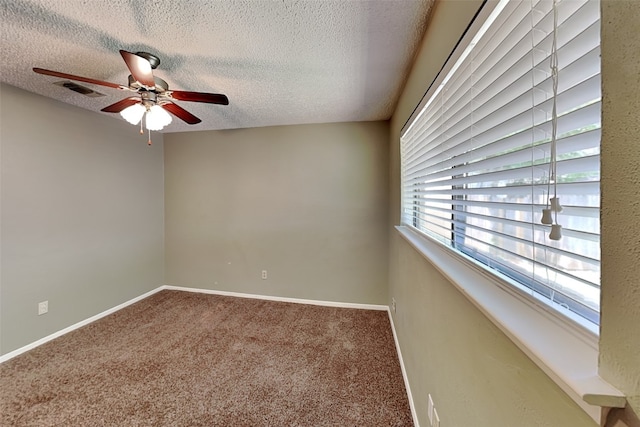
(475, 161)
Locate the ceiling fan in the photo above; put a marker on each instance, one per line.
(153, 96)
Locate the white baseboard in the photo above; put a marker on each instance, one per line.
(91, 319)
(80, 324)
(328, 304)
(281, 299)
(414, 415)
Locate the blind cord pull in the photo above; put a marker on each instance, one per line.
(553, 203)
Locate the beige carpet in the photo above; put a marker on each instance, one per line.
(188, 359)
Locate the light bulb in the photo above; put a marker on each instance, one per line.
(157, 118)
(133, 114)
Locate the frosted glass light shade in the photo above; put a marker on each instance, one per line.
(133, 114)
(157, 118)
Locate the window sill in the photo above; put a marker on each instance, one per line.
(566, 353)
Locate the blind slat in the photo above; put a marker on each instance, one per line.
(577, 211)
(475, 163)
(585, 118)
(487, 85)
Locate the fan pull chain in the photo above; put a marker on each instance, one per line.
(149, 141)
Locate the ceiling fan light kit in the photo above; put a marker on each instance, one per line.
(133, 114)
(153, 99)
(157, 118)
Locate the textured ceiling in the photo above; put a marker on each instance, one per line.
(279, 62)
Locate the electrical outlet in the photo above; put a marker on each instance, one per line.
(264, 274)
(430, 409)
(393, 305)
(43, 307)
(436, 418)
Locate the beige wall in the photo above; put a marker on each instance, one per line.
(306, 203)
(476, 375)
(620, 328)
(82, 226)
(81, 215)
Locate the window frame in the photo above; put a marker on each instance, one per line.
(587, 318)
(565, 348)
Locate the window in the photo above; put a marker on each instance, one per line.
(476, 154)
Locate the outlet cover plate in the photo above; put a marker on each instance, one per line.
(43, 307)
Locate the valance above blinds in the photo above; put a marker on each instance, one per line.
(475, 159)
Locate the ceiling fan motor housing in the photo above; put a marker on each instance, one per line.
(148, 98)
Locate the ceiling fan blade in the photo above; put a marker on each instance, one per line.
(121, 105)
(210, 98)
(78, 78)
(140, 69)
(180, 112)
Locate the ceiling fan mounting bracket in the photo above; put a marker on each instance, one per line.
(153, 60)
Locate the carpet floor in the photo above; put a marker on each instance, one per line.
(187, 359)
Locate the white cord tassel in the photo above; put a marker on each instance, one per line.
(553, 203)
(556, 232)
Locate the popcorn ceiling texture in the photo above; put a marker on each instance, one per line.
(284, 62)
